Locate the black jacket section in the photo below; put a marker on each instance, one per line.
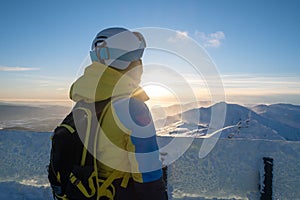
(151, 190)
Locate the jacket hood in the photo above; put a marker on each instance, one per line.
(100, 82)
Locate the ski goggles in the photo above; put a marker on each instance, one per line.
(106, 53)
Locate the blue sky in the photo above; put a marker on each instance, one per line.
(255, 44)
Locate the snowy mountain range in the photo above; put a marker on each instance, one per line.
(285, 113)
(32, 118)
(276, 121)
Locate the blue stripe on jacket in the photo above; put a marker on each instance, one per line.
(135, 116)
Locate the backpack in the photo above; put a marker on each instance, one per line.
(72, 170)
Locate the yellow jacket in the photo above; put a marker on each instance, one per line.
(127, 140)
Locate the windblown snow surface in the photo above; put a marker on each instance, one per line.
(229, 171)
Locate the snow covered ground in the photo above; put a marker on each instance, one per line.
(12, 190)
(230, 171)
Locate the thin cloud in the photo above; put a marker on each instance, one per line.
(16, 69)
(179, 36)
(62, 89)
(256, 83)
(249, 84)
(213, 40)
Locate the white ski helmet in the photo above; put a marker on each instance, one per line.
(117, 47)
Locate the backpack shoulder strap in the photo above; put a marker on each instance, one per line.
(68, 127)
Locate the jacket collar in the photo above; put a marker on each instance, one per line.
(100, 82)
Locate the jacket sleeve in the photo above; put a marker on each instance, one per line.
(142, 147)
